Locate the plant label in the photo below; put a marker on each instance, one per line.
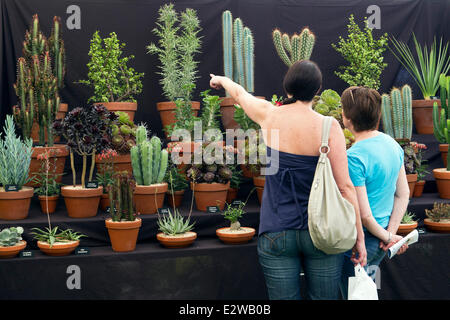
(82, 251)
(236, 203)
(212, 209)
(11, 187)
(163, 210)
(26, 254)
(91, 185)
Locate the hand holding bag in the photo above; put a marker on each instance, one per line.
(361, 286)
(331, 218)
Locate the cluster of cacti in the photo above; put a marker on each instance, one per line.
(148, 160)
(120, 194)
(238, 51)
(294, 48)
(123, 133)
(57, 52)
(396, 111)
(441, 122)
(10, 236)
(440, 211)
(209, 173)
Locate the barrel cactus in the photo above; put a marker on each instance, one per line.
(441, 121)
(294, 48)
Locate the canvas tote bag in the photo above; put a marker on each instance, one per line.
(331, 218)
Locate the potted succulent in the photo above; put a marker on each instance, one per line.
(11, 242)
(149, 163)
(438, 218)
(123, 226)
(425, 70)
(87, 132)
(407, 224)
(15, 157)
(421, 169)
(235, 183)
(115, 84)
(176, 232)
(178, 44)
(178, 184)
(105, 174)
(56, 243)
(293, 48)
(364, 54)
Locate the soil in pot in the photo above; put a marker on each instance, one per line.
(176, 200)
(14, 205)
(58, 249)
(422, 111)
(167, 111)
(12, 251)
(243, 235)
(127, 107)
(60, 152)
(210, 195)
(232, 194)
(404, 229)
(442, 177)
(412, 178)
(442, 226)
(418, 188)
(123, 234)
(177, 241)
(48, 204)
(148, 199)
(81, 202)
(122, 162)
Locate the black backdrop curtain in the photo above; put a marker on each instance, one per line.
(133, 21)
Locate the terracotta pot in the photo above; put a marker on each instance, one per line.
(443, 148)
(441, 227)
(63, 108)
(178, 241)
(412, 178)
(176, 200)
(259, 184)
(58, 249)
(404, 229)
(104, 202)
(167, 111)
(81, 202)
(12, 251)
(123, 234)
(248, 173)
(418, 188)
(442, 177)
(122, 162)
(422, 111)
(227, 111)
(232, 194)
(127, 107)
(61, 152)
(149, 199)
(14, 205)
(210, 195)
(232, 237)
(48, 204)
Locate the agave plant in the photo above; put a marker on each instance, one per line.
(408, 218)
(51, 235)
(174, 224)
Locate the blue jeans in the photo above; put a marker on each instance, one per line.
(374, 256)
(283, 255)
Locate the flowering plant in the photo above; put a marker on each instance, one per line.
(46, 177)
(105, 174)
(277, 101)
(419, 149)
(414, 157)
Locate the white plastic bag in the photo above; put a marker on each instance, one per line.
(361, 286)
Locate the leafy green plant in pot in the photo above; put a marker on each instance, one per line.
(11, 242)
(438, 218)
(425, 66)
(407, 224)
(177, 46)
(115, 84)
(15, 158)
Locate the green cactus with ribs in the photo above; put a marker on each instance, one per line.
(294, 48)
(396, 111)
(120, 194)
(441, 120)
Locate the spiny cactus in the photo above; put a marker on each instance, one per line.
(57, 52)
(121, 197)
(441, 122)
(294, 48)
(396, 109)
(238, 51)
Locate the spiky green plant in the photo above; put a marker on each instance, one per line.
(294, 48)
(57, 52)
(51, 235)
(441, 122)
(120, 194)
(440, 211)
(174, 224)
(396, 111)
(408, 218)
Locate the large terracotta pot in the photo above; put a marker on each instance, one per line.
(14, 205)
(227, 111)
(81, 202)
(232, 194)
(149, 199)
(442, 177)
(127, 107)
(167, 111)
(235, 237)
(210, 195)
(423, 115)
(48, 204)
(441, 226)
(418, 188)
(12, 251)
(178, 241)
(122, 162)
(61, 152)
(412, 178)
(443, 148)
(404, 229)
(63, 108)
(58, 249)
(259, 184)
(176, 200)
(123, 234)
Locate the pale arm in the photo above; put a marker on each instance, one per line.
(401, 200)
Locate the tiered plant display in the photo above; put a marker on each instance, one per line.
(425, 69)
(11, 242)
(123, 226)
(407, 224)
(177, 46)
(115, 84)
(15, 157)
(294, 48)
(235, 233)
(149, 163)
(438, 218)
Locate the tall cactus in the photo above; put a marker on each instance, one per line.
(238, 51)
(57, 52)
(441, 122)
(396, 110)
(121, 198)
(294, 48)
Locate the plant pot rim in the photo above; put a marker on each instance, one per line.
(120, 158)
(170, 105)
(63, 150)
(210, 187)
(123, 225)
(415, 223)
(124, 105)
(79, 192)
(441, 173)
(24, 193)
(54, 197)
(156, 188)
(58, 245)
(185, 236)
(18, 246)
(433, 223)
(226, 231)
(425, 103)
(411, 177)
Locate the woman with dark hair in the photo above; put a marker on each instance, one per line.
(377, 171)
(285, 247)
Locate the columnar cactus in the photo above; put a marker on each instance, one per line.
(396, 110)
(57, 52)
(441, 122)
(294, 48)
(121, 198)
(238, 51)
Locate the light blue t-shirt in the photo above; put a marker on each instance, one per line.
(375, 163)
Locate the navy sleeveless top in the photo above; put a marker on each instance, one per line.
(286, 193)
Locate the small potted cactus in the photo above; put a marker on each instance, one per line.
(407, 224)
(176, 232)
(235, 233)
(438, 218)
(123, 226)
(149, 163)
(11, 242)
(54, 242)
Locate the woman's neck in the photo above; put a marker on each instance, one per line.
(363, 135)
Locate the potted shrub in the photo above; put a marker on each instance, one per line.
(56, 243)
(421, 169)
(438, 218)
(149, 163)
(87, 133)
(425, 70)
(11, 242)
(407, 224)
(115, 84)
(105, 174)
(176, 232)
(178, 44)
(178, 184)
(235, 233)
(15, 157)
(235, 183)
(364, 54)
(123, 226)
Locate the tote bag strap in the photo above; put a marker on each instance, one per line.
(326, 126)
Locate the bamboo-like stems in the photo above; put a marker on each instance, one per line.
(83, 174)
(91, 172)
(72, 165)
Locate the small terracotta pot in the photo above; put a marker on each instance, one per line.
(127, 107)
(412, 178)
(179, 241)
(441, 227)
(122, 162)
(422, 111)
(12, 251)
(418, 188)
(443, 148)
(104, 202)
(230, 237)
(123, 234)
(63, 108)
(442, 177)
(149, 199)
(14, 205)
(176, 200)
(259, 184)
(404, 229)
(167, 111)
(61, 152)
(210, 194)
(232, 194)
(248, 173)
(58, 249)
(227, 111)
(81, 202)
(48, 204)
